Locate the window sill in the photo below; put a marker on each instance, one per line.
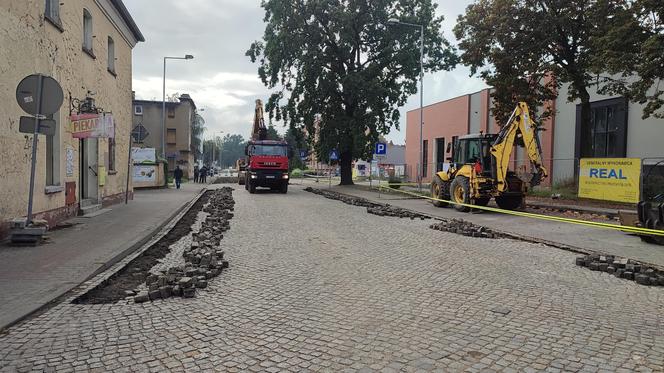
(112, 72)
(89, 52)
(112, 172)
(55, 22)
(52, 189)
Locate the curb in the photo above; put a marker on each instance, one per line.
(144, 243)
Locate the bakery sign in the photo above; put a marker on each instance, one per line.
(85, 126)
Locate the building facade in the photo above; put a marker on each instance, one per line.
(86, 45)
(177, 135)
(618, 131)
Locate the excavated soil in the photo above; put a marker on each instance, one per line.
(133, 274)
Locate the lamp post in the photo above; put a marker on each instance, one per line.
(420, 166)
(163, 103)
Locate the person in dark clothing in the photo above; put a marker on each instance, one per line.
(202, 175)
(196, 174)
(177, 174)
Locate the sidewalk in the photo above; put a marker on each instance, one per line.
(31, 277)
(570, 235)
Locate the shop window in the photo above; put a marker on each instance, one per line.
(87, 32)
(53, 154)
(111, 154)
(170, 136)
(111, 55)
(425, 157)
(608, 127)
(52, 12)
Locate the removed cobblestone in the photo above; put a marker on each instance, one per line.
(627, 269)
(372, 207)
(465, 228)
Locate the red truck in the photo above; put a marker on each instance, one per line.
(267, 165)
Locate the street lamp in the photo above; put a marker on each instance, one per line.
(420, 166)
(163, 103)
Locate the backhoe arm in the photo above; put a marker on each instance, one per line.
(521, 124)
(259, 131)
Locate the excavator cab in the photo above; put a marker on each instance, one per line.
(474, 150)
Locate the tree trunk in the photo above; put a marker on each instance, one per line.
(586, 128)
(346, 164)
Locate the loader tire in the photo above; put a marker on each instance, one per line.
(460, 193)
(509, 202)
(438, 187)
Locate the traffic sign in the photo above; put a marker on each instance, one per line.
(139, 133)
(381, 148)
(42, 90)
(334, 155)
(303, 153)
(27, 125)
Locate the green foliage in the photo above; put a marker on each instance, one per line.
(517, 44)
(339, 59)
(197, 130)
(632, 44)
(272, 133)
(232, 149)
(296, 172)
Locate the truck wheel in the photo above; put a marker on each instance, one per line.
(252, 187)
(509, 202)
(460, 192)
(437, 191)
(284, 188)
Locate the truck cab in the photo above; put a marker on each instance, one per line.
(267, 165)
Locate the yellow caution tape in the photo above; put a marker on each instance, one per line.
(623, 228)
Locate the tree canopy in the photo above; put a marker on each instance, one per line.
(342, 60)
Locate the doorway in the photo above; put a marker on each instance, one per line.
(89, 149)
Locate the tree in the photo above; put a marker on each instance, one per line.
(296, 141)
(232, 148)
(340, 59)
(632, 47)
(529, 48)
(272, 133)
(211, 151)
(197, 129)
(175, 97)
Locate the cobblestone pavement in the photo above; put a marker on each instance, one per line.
(318, 285)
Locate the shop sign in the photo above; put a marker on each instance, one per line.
(85, 126)
(143, 174)
(610, 179)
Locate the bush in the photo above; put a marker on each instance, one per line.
(296, 172)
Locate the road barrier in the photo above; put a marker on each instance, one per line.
(637, 230)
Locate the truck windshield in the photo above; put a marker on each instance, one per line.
(274, 150)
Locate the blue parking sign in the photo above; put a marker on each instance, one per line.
(303, 154)
(381, 148)
(334, 155)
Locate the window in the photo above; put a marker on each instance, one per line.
(425, 157)
(87, 32)
(170, 136)
(52, 12)
(138, 110)
(608, 122)
(111, 154)
(111, 55)
(53, 154)
(440, 153)
(171, 112)
(273, 150)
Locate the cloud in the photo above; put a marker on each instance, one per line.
(220, 78)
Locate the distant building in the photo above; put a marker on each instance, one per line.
(179, 118)
(618, 131)
(87, 47)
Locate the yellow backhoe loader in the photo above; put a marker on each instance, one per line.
(478, 168)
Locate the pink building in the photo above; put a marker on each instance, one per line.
(445, 120)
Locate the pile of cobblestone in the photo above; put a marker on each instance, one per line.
(465, 228)
(372, 207)
(204, 259)
(623, 268)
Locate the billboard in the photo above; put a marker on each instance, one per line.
(143, 155)
(144, 174)
(610, 179)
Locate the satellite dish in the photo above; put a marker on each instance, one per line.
(51, 94)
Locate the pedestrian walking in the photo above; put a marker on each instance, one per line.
(202, 175)
(196, 173)
(177, 174)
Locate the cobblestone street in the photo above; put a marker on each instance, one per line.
(318, 285)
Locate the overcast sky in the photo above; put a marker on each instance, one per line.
(220, 78)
